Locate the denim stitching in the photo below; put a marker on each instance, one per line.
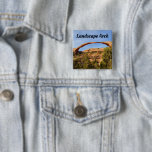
(112, 133)
(114, 148)
(11, 19)
(109, 137)
(131, 16)
(128, 52)
(67, 85)
(101, 134)
(106, 126)
(108, 134)
(114, 100)
(130, 40)
(99, 108)
(18, 117)
(48, 80)
(135, 98)
(11, 14)
(47, 129)
(137, 103)
(55, 132)
(126, 55)
(41, 98)
(79, 121)
(43, 128)
(71, 117)
(105, 109)
(50, 134)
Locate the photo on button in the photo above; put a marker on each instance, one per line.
(92, 49)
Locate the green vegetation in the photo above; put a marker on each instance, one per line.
(82, 62)
(85, 60)
(106, 62)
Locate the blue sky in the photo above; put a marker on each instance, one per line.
(78, 41)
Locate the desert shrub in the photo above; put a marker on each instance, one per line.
(86, 62)
(95, 64)
(106, 62)
(82, 61)
(77, 63)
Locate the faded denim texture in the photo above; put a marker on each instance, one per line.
(39, 71)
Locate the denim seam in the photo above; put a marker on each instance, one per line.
(114, 107)
(101, 134)
(64, 84)
(46, 82)
(85, 81)
(130, 16)
(49, 134)
(50, 137)
(89, 114)
(44, 133)
(109, 134)
(128, 53)
(21, 125)
(106, 136)
(11, 19)
(69, 85)
(42, 98)
(22, 76)
(130, 32)
(71, 117)
(115, 140)
(66, 21)
(18, 117)
(47, 121)
(115, 95)
(14, 82)
(138, 104)
(135, 97)
(55, 135)
(94, 110)
(106, 130)
(12, 14)
(83, 84)
(43, 119)
(9, 16)
(112, 133)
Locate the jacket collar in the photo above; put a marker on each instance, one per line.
(48, 17)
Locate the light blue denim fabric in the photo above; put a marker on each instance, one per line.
(39, 72)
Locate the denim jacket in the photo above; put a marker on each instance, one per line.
(40, 90)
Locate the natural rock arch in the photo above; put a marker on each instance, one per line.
(108, 43)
